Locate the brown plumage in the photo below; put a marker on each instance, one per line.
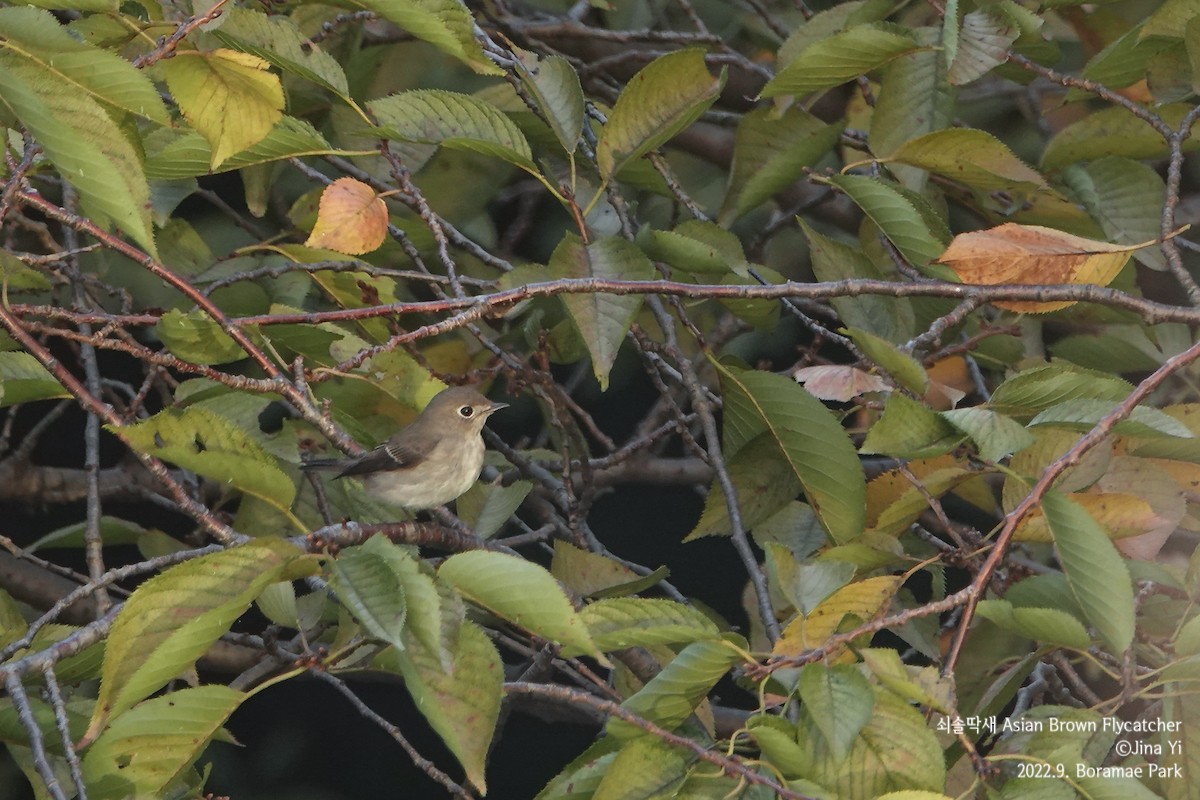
(432, 461)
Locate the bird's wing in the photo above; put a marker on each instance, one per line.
(401, 452)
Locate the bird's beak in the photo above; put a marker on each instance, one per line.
(494, 407)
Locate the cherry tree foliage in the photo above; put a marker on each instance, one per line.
(901, 295)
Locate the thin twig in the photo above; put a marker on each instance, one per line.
(37, 745)
(424, 764)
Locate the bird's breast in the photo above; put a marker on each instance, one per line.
(445, 473)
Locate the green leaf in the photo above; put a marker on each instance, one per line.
(969, 156)
(1050, 444)
(839, 58)
(904, 217)
(1113, 131)
(840, 702)
(905, 369)
(36, 38)
(278, 40)
(810, 438)
(16, 276)
(194, 336)
(996, 435)
(462, 702)
(644, 768)
(113, 530)
(446, 24)
(23, 379)
(671, 695)
(765, 483)
(1169, 73)
(1122, 62)
(696, 246)
(1119, 348)
(1181, 706)
(1126, 198)
(102, 6)
(487, 507)
(366, 584)
(210, 445)
(983, 44)
(949, 32)
(620, 622)
(1095, 570)
(909, 429)
(663, 98)
(520, 592)
(432, 609)
(83, 666)
(16, 737)
(554, 86)
(924, 685)
(829, 21)
(1081, 415)
(770, 153)
(776, 738)
(453, 120)
(913, 100)
(832, 260)
(602, 319)
(1169, 20)
(229, 97)
(278, 603)
(148, 747)
(1033, 390)
(1118, 787)
(189, 155)
(1046, 590)
(173, 618)
(811, 583)
(12, 621)
(585, 573)
(762, 314)
(579, 779)
(896, 750)
(83, 142)
(1048, 625)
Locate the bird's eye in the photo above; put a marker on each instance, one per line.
(466, 412)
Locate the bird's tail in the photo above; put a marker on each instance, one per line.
(322, 463)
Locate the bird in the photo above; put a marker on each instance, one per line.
(429, 463)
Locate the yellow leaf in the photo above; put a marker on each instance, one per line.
(1185, 473)
(228, 97)
(1031, 254)
(1119, 513)
(888, 487)
(1187, 413)
(863, 599)
(352, 219)
(1139, 501)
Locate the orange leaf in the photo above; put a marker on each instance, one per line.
(352, 218)
(1031, 254)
